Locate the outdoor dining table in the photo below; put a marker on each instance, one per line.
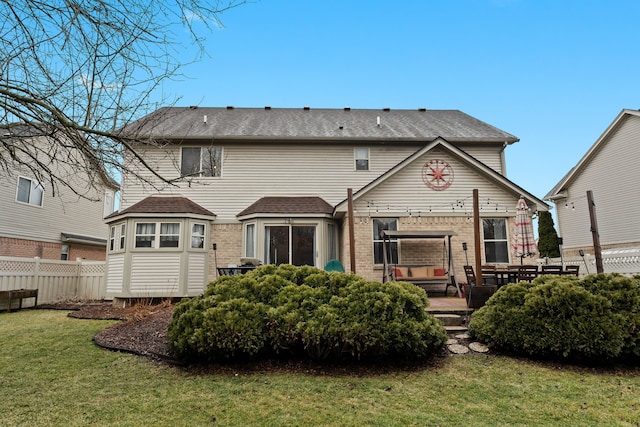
(503, 276)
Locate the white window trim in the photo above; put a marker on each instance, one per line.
(505, 240)
(32, 182)
(157, 234)
(192, 235)
(245, 237)
(117, 239)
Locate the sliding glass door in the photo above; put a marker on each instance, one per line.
(290, 244)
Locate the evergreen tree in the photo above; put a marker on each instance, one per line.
(547, 236)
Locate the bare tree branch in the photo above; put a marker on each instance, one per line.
(78, 71)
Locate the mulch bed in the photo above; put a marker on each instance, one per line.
(143, 331)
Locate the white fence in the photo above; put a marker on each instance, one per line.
(55, 280)
(624, 261)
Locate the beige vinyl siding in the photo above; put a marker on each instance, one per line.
(196, 273)
(253, 171)
(115, 273)
(61, 213)
(155, 272)
(407, 190)
(611, 174)
(489, 155)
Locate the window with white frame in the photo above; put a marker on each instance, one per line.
(157, 235)
(123, 229)
(197, 236)
(361, 158)
(250, 241)
(29, 191)
(496, 245)
(201, 161)
(112, 238)
(64, 252)
(169, 234)
(380, 224)
(116, 237)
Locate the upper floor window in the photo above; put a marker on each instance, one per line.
(496, 246)
(361, 158)
(29, 191)
(380, 224)
(201, 161)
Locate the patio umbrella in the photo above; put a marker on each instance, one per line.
(523, 243)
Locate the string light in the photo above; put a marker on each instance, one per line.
(459, 205)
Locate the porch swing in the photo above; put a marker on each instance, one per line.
(428, 277)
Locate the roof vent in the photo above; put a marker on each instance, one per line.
(193, 107)
(422, 109)
(267, 107)
(347, 108)
(386, 109)
(204, 119)
(229, 107)
(306, 108)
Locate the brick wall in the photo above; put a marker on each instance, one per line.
(48, 250)
(228, 239)
(426, 251)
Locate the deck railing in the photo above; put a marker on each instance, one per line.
(623, 261)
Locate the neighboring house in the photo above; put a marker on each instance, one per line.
(609, 170)
(272, 184)
(35, 221)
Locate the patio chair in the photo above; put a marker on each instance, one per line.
(573, 269)
(551, 269)
(471, 276)
(489, 275)
(527, 273)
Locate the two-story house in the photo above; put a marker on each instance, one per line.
(609, 171)
(37, 221)
(272, 184)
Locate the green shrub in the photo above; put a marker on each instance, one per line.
(594, 319)
(304, 310)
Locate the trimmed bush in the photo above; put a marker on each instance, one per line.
(305, 311)
(595, 319)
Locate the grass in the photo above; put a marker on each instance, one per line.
(51, 373)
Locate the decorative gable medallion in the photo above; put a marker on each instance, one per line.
(437, 174)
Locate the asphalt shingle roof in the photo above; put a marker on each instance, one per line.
(321, 124)
(289, 205)
(164, 205)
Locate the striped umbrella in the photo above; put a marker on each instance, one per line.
(523, 243)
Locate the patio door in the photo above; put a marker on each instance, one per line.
(290, 244)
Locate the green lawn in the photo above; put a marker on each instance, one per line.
(51, 373)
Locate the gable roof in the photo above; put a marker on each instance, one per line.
(462, 156)
(558, 190)
(284, 205)
(162, 205)
(282, 124)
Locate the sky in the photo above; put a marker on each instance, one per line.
(554, 73)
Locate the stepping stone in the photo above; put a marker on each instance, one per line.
(463, 336)
(479, 347)
(458, 349)
(452, 341)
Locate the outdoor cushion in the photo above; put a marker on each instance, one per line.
(439, 272)
(401, 271)
(422, 272)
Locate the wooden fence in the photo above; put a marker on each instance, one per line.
(55, 280)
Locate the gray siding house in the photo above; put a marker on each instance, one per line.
(609, 169)
(275, 182)
(38, 222)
